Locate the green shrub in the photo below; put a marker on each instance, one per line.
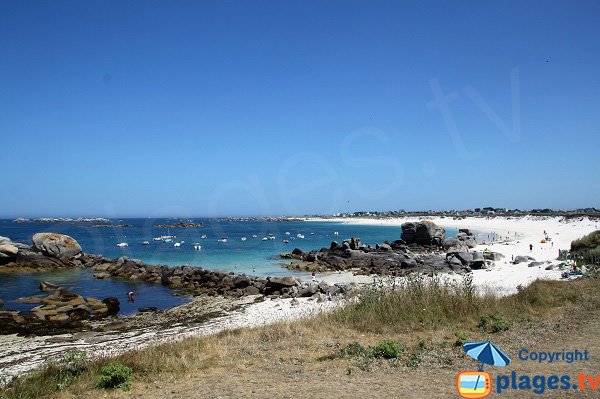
(461, 338)
(71, 365)
(353, 349)
(115, 375)
(388, 349)
(493, 323)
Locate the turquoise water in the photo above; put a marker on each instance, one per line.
(252, 256)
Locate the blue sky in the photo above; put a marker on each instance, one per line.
(194, 108)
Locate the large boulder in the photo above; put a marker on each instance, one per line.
(281, 282)
(8, 250)
(423, 233)
(56, 245)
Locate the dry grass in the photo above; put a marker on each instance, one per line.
(424, 317)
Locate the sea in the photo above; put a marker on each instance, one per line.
(251, 255)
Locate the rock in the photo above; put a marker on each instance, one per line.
(355, 243)
(5, 240)
(535, 264)
(101, 276)
(520, 259)
(309, 290)
(280, 282)
(1, 303)
(46, 286)
(408, 263)
(8, 249)
(493, 256)
(464, 257)
(251, 290)
(56, 245)
(551, 267)
(149, 309)
(334, 245)
(29, 299)
(384, 247)
(79, 314)
(241, 281)
(297, 251)
(423, 233)
(294, 302)
(113, 304)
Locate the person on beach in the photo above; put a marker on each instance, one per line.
(531, 247)
(130, 296)
(314, 275)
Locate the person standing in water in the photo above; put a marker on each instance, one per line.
(531, 247)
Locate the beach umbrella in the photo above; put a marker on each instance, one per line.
(486, 352)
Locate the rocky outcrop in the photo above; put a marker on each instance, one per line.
(423, 233)
(49, 251)
(395, 258)
(56, 245)
(62, 311)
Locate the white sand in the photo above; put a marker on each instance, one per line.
(504, 277)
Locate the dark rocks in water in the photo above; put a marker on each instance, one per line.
(56, 245)
(46, 286)
(30, 299)
(423, 233)
(148, 309)
(113, 305)
(1, 303)
(297, 251)
(180, 225)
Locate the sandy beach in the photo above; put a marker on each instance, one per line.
(514, 237)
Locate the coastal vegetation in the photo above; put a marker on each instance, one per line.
(588, 247)
(395, 326)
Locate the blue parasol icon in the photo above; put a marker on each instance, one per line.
(486, 352)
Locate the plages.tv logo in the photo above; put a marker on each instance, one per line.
(478, 384)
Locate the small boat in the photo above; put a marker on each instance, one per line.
(312, 234)
(287, 233)
(197, 246)
(167, 240)
(157, 238)
(300, 235)
(243, 238)
(270, 236)
(265, 239)
(146, 243)
(203, 236)
(177, 244)
(335, 233)
(254, 236)
(285, 241)
(182, 242)
(222, 239)
(122, 244)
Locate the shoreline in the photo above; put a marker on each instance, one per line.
(504, 277)
(22, 354)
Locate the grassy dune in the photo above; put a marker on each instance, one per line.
(427, 319)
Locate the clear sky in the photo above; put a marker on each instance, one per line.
(198, 108)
